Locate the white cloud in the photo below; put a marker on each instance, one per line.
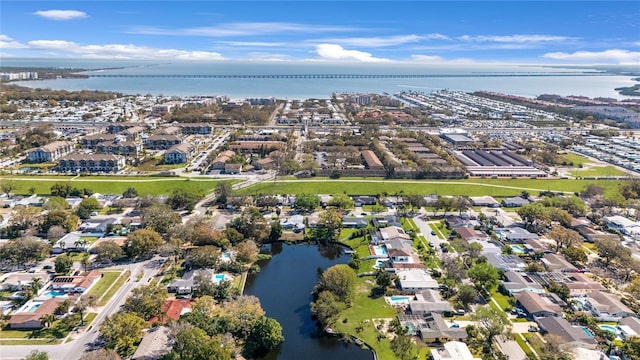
(619, 56)
(241, 29)
(61, 15)
(427, 58)
(7, 42)
(382, 41)
(121, 51)
(263, 56)
(516, 38)
(337, 52)
(253, 43)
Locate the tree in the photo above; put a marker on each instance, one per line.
(266, 201)
(340, 280)
(160, 217)
(276, 231)
(575, 254)
(71, 223)
(205, 257)
(63, 264)
(492, 322)
(551, 347)
(37, 355)
(564, 237)
(193, 343)
(47, 320)
(205, 287)
(90, 204)
(612, 250)
(55, 233)
(183, 199)
(36, 284)
(307, 202)
(403, 347)
(130, 193)
(108, 250)
(25, 250)
(467, 295)
(331, 221)
(7, 186)
(142, 242)
(122, 330)
(242, 314)
(341, 202)
(265, 335)
(223, 192)
(83, 304)
(535, 215)
(101, 354)
(462, 203)
(63, 307)
(247, 252)
(326, 307)
(61, 190)
(484, 276)
(56, 203)
(251, 224)
(146, 301)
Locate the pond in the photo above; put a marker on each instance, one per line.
(284, 287)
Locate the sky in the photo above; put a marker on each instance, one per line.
(535, 32)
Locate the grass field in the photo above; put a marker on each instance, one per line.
(468, 187)
(115, 185)
(608, 170)
(576, 159)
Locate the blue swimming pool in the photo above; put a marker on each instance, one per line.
(395, 300)
(378, 250)
(611, 328)
(588, 332)
(218, 278)
(53, 294)
(226, 256)
(33, 307)
(380, 264)
(517, 248)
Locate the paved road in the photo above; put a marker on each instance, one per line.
(80, 341)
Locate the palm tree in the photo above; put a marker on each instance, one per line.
(81, 243)
(47, 320)
(36, 284)
(62, 244)
(84, 303)
(85, 261)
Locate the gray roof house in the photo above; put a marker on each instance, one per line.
(516, 201)
(606, 306)
(428, 301)
(556, 262)
(539, 304)
(431, 327)
(506, 262)
(572, 335)
(629, 326)
(154, 344)
(515, 234)
(354, 222)
(415, 280)
(521, 282)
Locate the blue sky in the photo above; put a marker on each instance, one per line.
(572, 32)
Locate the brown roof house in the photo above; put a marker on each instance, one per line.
(606, 306)
(29, 316)
(76, 284)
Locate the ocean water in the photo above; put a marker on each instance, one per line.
(509, 79)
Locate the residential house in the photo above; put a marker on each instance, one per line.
(521, 282)
(169, 130)
(452, 350)
(606, 306)
(264, 164)
(415, 279)
(506, 262)
(578, 283)
(124, 148)
(571, 335)
(557, 262)
(195, 128)
(161, 142)
(76, 284)
(30, 319)
(539, 304)
(471, 234)
(360, 200)
(487, 201)
(133, 133)
(393, 233)
(455, 221)
(629, 327)
(20, 280)
(428, 301)
(232, 169)
(50, 152)
(591, 235)
(154, 344)
(220, 160)
(432, 328)
(91, 163)
(514, 202)
(293, 222)
(91, 141)
(353, 222)
(515, 234)
(172, 310)
(257, 146)
(384, 221)
(179, 153)
(623, 225)
(186, 283)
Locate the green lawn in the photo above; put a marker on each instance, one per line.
(439, 233)
(115, 184)
(29, 341)
(525, 347)
(575, 159)
(608, 170)
(501, 299)
(113, 289)
(468, 187)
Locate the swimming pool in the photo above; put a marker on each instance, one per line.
(53, 294)
(611, 328)
(380, 264)
(226, 257)
(399, 300)
(588, 332)
(517, 248)
(33, 307)
(218, 278)
(378, 250)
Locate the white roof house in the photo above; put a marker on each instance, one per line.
(453, 350)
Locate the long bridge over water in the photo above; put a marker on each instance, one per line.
(338, 76)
